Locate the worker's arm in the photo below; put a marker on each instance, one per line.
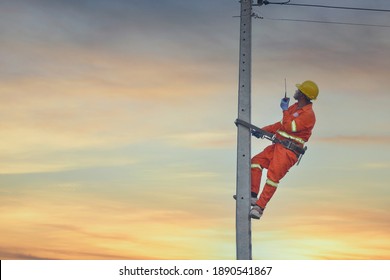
(272, 128)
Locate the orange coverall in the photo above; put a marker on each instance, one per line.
(296, 125)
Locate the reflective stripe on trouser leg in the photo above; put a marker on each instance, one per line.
(272, 183)
(255, 165)
(256, 171)
(266, 194)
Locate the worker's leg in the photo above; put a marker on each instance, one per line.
(281, 162)
(259, 162)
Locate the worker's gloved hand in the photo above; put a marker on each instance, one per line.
(284, 103)
(257, 134)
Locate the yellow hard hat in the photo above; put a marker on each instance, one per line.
(309, 88)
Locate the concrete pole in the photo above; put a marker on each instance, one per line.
(243, 222)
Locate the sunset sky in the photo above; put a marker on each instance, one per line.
(118, 138)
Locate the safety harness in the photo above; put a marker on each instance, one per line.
(297, 149)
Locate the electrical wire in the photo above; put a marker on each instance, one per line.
(256, 16)
(320, 21)
(287, 3)
(324, 6)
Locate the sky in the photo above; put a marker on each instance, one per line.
(118, 138)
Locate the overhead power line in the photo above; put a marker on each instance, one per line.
(320, 21)
(287, 3)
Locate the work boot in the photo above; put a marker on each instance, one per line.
(253, 199)
(256, 212)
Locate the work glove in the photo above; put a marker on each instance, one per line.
(257, 134)
(284, 103)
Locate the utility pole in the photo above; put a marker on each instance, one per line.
(243, 187)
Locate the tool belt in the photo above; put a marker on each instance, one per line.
(288, 144)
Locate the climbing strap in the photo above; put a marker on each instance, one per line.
(297, 149)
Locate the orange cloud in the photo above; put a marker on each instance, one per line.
(66, 227)
(215, 139)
